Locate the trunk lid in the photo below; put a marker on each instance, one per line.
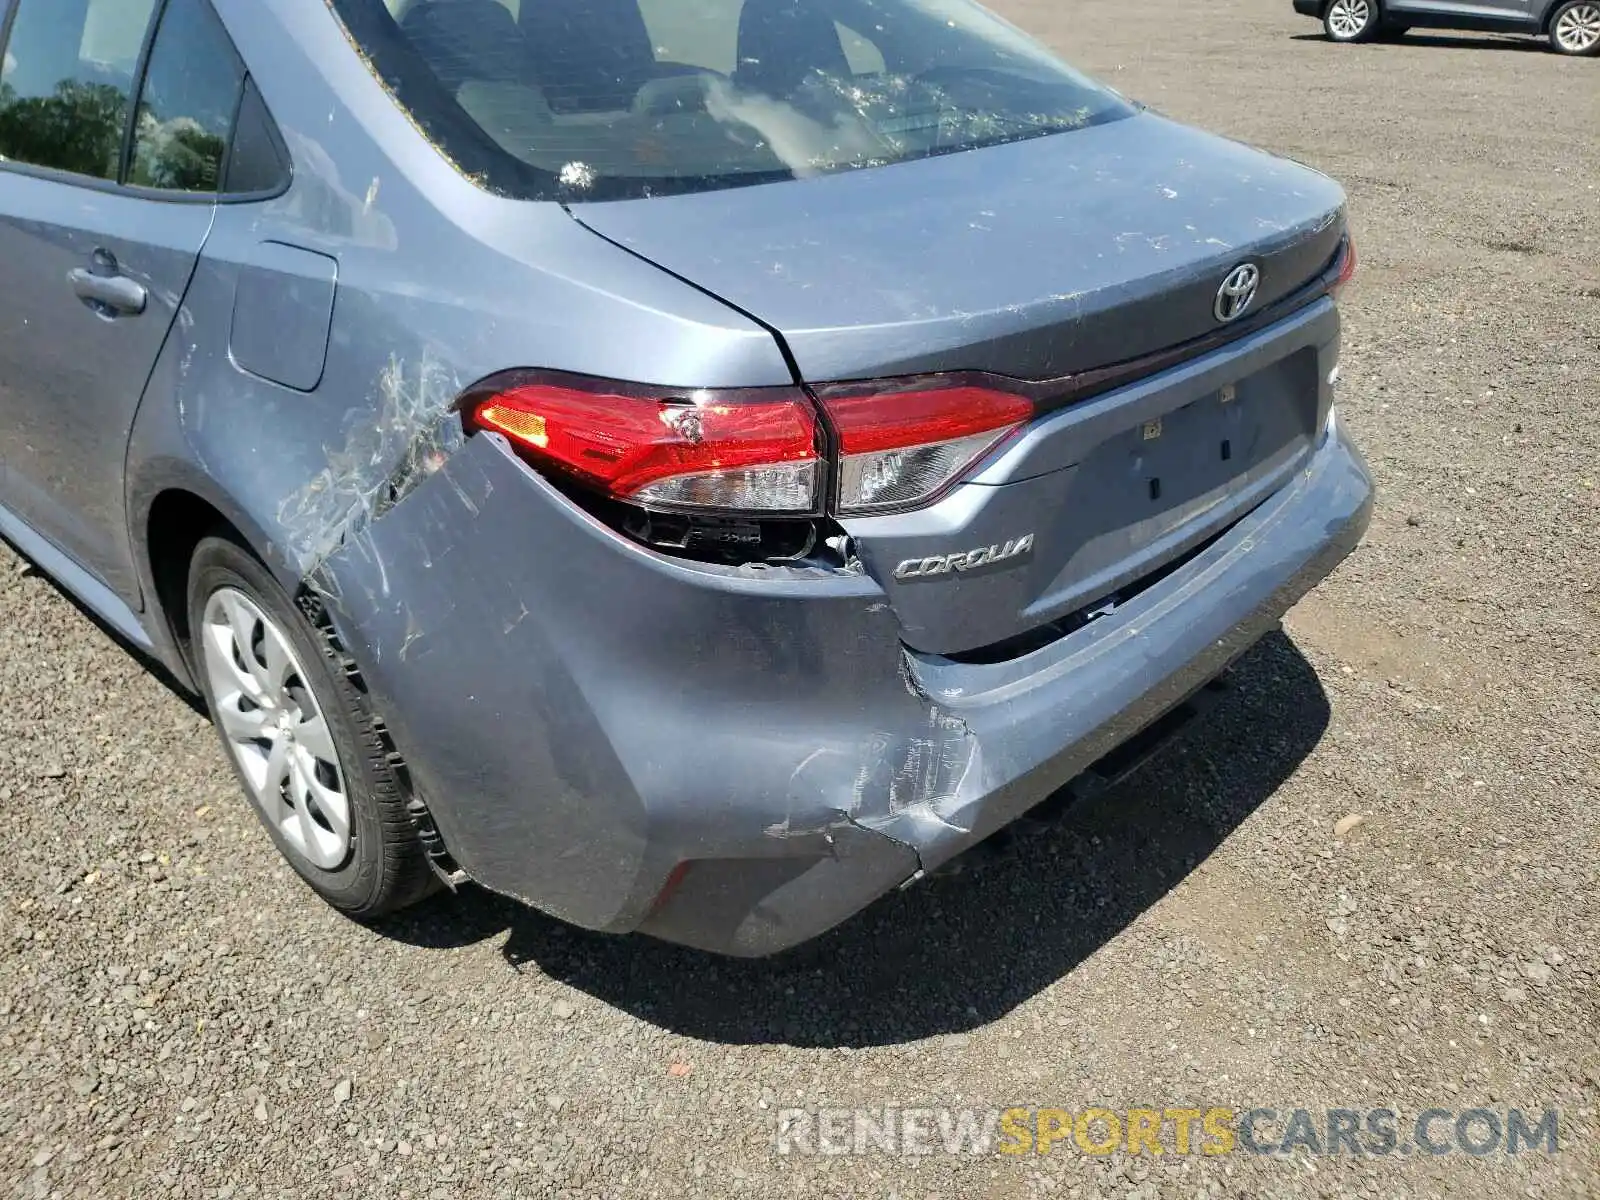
(1035, 259)
(1039, 260)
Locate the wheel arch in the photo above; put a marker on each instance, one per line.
(176, 507)
(1548, 20)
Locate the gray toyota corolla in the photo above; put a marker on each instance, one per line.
(692, 465)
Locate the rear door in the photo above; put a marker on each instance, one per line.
(104, 207)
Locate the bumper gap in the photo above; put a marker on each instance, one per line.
(1047, 635)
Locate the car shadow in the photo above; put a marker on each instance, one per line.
(1447, 41)
(959, 951)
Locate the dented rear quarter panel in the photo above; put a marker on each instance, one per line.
(581, 738)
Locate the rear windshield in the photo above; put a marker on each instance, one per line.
(605, 99)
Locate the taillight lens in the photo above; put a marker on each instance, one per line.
(753, 451)
(1347, 267)
(901, 449)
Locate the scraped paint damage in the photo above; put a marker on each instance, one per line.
(379, 463)
(909, 786)
(906, 785)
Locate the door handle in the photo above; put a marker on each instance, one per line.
(110, 295)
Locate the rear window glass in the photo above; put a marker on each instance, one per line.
(605, 99)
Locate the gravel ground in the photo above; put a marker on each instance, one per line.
(181, 1015)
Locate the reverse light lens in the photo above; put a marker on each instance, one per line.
(706, 450)
(788, 488)
(901, 449)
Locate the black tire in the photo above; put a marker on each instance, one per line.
(384, 868)
(1573, 12)
(1352, 20)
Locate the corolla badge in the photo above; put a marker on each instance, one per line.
(969, 560)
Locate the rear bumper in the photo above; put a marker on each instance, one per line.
(1309, 8)
(739, 760)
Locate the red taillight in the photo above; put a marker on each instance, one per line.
(901, 449)
(1347, 267)
(754, 451)
(740, 451)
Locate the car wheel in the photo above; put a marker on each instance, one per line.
(310, 757)
(1351, 20)
(1575, 29)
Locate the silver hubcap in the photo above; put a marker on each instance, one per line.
(1347, 18)
(1579, 28)
(278, 734)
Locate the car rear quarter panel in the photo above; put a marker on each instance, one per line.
(439, 284)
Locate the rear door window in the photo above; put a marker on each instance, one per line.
(191, 96)
(71, 66)
(604, 99)
(65, 82)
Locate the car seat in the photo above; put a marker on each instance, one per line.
(470, 41)
(592, 56)
(781, 42)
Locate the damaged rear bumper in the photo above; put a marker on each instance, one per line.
(739, 759)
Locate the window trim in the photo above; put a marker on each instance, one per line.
(141, 69)
(120, 185)
(6, 21)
